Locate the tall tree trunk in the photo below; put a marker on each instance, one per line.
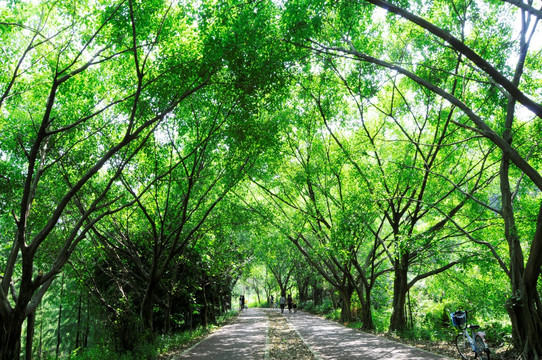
(400, 287)
(79, 309)
(30, 323)
(366, 312)
(524, 310)
(523, 306)
(40, 346)
(167, 324)
(87, 326)
(346, 303)
(317, 294)
(147, 304)
(303, 288)
(10, 336)
(58, 333)
(204, 315)
(364, 296)
(11, 324)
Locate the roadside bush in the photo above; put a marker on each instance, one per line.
(308, 306)
(326, 307)
(498, 333)
(142, 351)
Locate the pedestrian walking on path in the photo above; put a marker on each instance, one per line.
(282, 303)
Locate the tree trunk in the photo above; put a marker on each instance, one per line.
(40, 347)
(524, 310)
(30, 323)
(257, 293)
(303, 288)
(317, 294)
(147, 305)
(79, 327)
(204, 316)
(366, 312)
(346, 304)
(400, 287)
(58, 333)
(167, 324)
(524, 306)
(10, 336)
(87, 326)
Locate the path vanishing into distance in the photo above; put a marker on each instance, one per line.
(268, 334)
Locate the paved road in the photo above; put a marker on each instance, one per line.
(329, 340)
(247, 338)
(244, 339)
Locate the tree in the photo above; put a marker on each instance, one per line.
(462, 31)
(84, 89)
(181, 179)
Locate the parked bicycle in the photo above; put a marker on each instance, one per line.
(469, 343)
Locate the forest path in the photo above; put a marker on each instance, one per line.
(268, 334)
(330, 340)
(245, 338)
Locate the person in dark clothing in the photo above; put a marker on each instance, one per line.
(290, 302)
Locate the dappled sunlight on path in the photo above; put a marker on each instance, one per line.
(244, 339)
(249, 338)
(333, 341)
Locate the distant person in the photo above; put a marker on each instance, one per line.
(290, 303)
(241, 302)
(271, 300)
(282, 303)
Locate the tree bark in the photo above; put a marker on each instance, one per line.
(147, 305)
(58, 328)
(30, 323)
(10, 337)
(400, 287)
(524, 306)
(346, 304)
(366, 312)
(11, 324)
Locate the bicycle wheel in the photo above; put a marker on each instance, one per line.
(463, 346)
(482, 351)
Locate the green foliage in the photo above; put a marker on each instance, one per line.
(156, 150)
(105, 352)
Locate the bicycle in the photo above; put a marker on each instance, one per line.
(467, 343)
